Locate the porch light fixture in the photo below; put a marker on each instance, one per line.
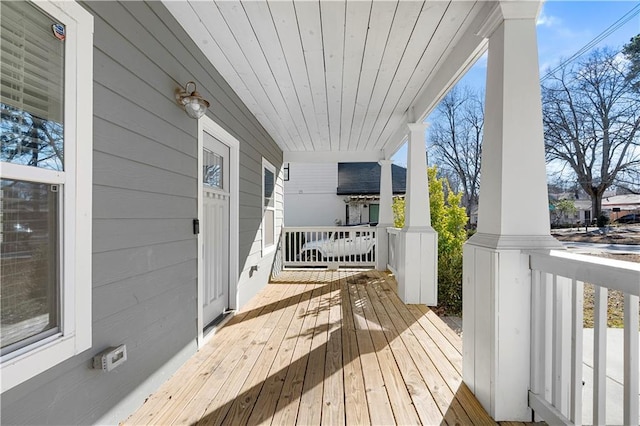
(192, 102)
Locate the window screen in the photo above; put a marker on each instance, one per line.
(29, 262)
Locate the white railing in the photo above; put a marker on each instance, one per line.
(332, 247)
(394, 241)
(556, 387)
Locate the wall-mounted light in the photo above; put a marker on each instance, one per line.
(194, 105)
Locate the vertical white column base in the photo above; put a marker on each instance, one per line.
(382, 246)
(418, 266)
(496, 334)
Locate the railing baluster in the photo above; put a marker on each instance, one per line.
(537, 334)
(336, 246)
(558, 279)
(576, 351)
(599, 355)
(283, 245)
(548, 295)
(561, 345)
(556, 366)
(630, 359)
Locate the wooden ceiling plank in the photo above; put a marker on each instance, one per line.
(333, 20)
(356, 29)
(403, 23)
(221, 35)
(465, 49)
(382, 13)
(458, 17)
(199, 31)
(339, 75)
(289, 33)
(310, 27)
(244, 34)
(437, 26)
(266, 34)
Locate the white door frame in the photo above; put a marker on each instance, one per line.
(205, 124)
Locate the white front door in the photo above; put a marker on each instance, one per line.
(215, 228)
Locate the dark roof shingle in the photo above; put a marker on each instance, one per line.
(364, 179)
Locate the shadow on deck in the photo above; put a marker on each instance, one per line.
(331, 347)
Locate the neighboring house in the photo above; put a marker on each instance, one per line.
(613, 206)
(616, 206)
(310, 195)
(359, 185)
(582, 214)
(332, 194)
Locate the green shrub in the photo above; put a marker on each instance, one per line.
(448, 219)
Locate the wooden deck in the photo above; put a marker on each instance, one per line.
(330, 347)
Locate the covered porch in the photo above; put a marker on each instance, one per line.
(330, 347)
(330, 85)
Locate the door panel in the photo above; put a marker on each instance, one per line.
(215, 228)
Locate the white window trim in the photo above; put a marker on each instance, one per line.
(268, 249)
(76, 209)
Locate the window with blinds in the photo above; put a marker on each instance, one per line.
(46, 111)
(31, 102)
(269, 206)
(31, 87)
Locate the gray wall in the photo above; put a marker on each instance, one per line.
(144, 199)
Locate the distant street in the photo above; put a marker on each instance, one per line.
(585, 248)
(614, 240)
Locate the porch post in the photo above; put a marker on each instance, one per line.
(513, 216)
(417, 260)
(385, 215)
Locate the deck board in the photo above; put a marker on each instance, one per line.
(265, 405)
(333, 396)
(355, 400)
(322, 347)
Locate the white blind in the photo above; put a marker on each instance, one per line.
(31, 58)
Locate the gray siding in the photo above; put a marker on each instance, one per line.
(144, 198)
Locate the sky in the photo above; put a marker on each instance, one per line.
(564, 27)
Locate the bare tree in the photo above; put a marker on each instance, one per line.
(30, 140)
(591, 117)
(456, 140)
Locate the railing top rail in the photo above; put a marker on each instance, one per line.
(327, 228)
(611, 273)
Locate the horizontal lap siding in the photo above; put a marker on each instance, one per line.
(310, 195)
(144, 199)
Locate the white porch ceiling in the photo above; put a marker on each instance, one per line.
(337, 78)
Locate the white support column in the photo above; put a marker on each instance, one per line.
(385, 215)
(418, 257)
(417, 212)
(513, 216)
